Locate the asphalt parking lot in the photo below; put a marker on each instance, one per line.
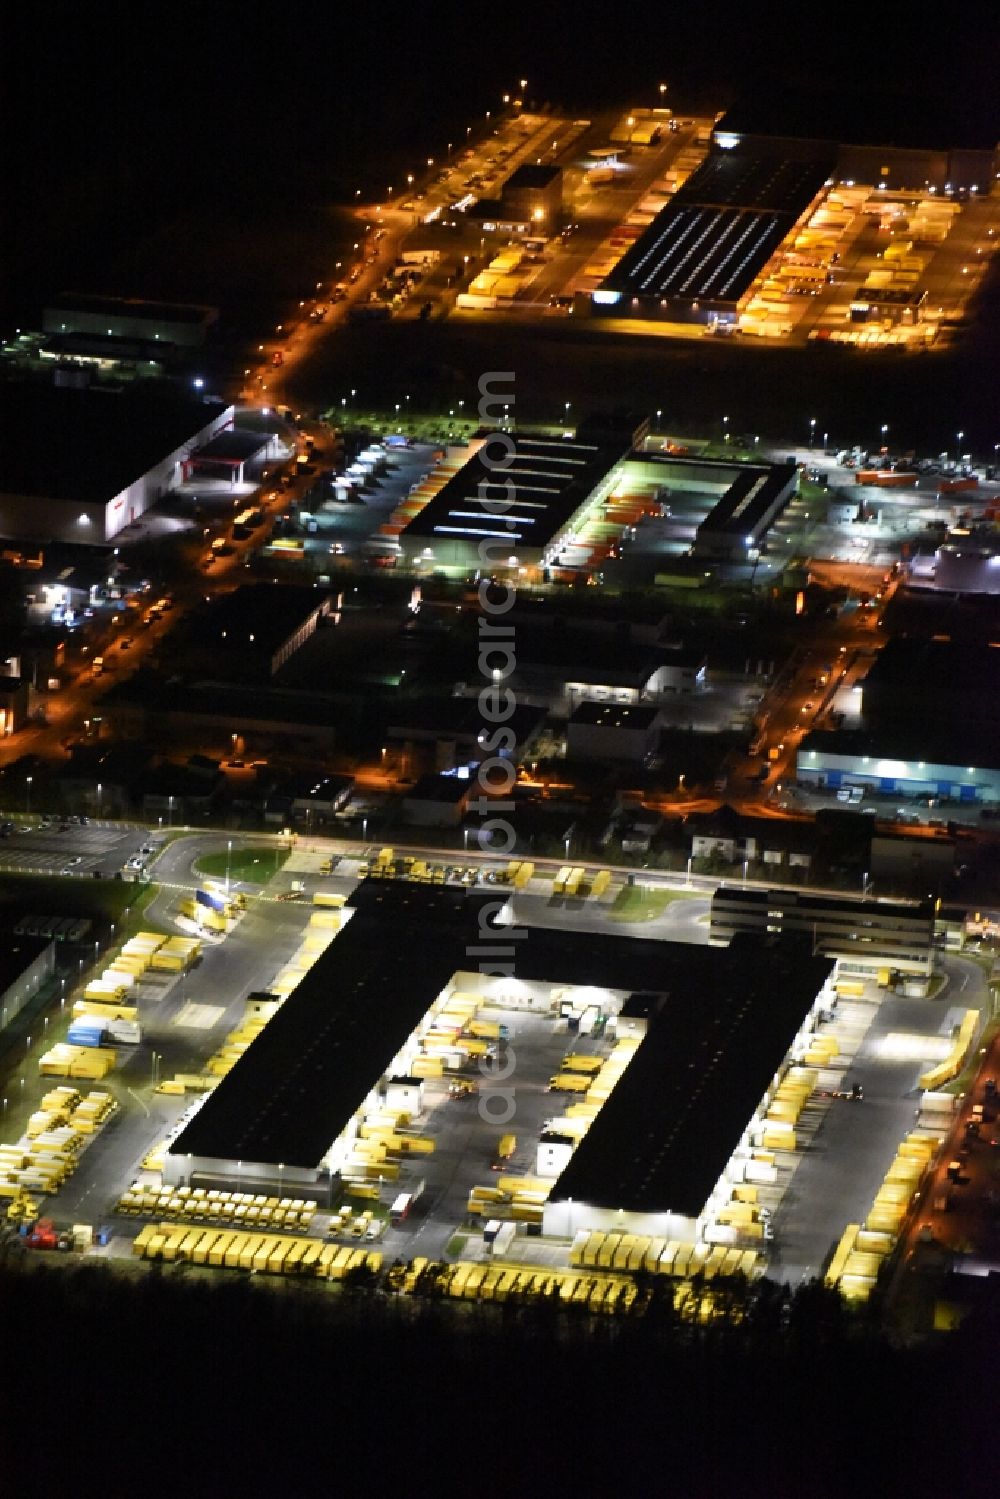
(68, 848)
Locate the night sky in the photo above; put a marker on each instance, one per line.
(120, 119)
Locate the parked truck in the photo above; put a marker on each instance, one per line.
(402, 1206)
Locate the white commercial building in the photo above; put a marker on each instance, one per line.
(78, 465)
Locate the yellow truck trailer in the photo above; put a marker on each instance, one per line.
(569, 1082)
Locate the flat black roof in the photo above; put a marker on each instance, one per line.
(532, 176)
(615, 715)
(546, 480)
(662, 1140)
(748, 179)
(17, 954)
(234, 443)
(88, 445)
(748, 499)
(898, 113)
(439, 788)
(134, 307)
(794, 900)
(918, 664)
(460, 718)
(256, 618)
(940, 740)
(290, 1095)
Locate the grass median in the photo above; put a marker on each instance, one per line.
(248, 866)
(645, 902)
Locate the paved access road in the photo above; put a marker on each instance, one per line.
(853, 1145)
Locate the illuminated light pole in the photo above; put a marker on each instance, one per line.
(27, 796)
(812, 431)
(229, 854)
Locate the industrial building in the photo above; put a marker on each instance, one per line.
(533, 195)
(923, 703)
(903, 762)
(25, 964)
(679, 1129)
(736, 527)
(515, 506)
(250, 633)
(968, 566)
(750, 498)
(703, 251)
(716, 1030)
(863, 935)
(613, 732)
(80, 464)
(944, 153)
(130, 318)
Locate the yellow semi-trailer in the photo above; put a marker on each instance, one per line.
(576, 1062)
(217, 1252)
(310, 1258)
(569, 1082)
(141, 1240)
(199, 1255)
(329, 898)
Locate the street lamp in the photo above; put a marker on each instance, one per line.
(812, 431)
(27, 796)
(99, 789)
(229, 853)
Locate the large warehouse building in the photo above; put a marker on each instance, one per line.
(701, 254)
(923, 703)
(515, 506)
(715, 1029)
(78, 465)
(166, 323)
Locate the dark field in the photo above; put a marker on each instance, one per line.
(926, 398)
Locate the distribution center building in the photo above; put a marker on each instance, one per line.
(698, 259)
(716, 1030)
(515, 506)
(78, 465)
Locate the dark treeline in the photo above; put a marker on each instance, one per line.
(175, 1382)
